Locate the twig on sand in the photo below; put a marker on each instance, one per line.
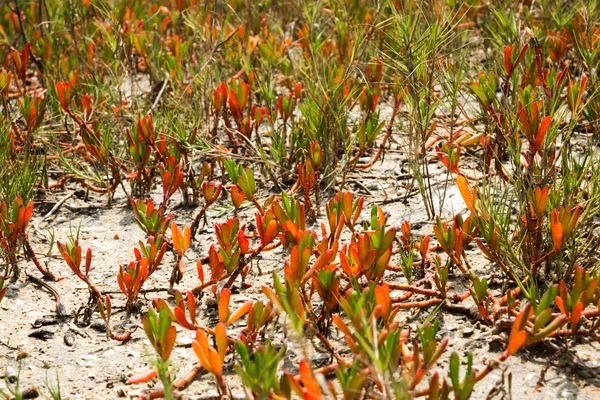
(60, 308)
(54, 209)
(158, 97)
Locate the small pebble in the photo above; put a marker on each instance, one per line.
(11, 375)
(69, 339)
(38, 323)
(320, 359)
(99, 326)
(30, 393)
(43, 334)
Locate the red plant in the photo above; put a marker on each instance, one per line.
(162, 335)
(131, 279)
(172, 176)
(71, 252)
(181, 242)
(225, 315)
(210, 192)
(237, 197)
(212, 359)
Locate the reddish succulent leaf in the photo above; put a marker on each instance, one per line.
(243, 242)
(576, 314)
(181, 319)
(516, 341)
(221, 339)
(169, 343)
(466, 193)
(341, 325)
(557, 234)
(319, 264)
(541, 133)
(507, 63)
(191, 306)
(216, 364)
(560, 305)
(240, 312)
(224, 305)
(308, 380)
(202, 353)
(270, 232)
(518, 336)
(382, 297)
(200, 271)
(541, 198)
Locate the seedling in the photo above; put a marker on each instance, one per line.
(71, 252)
(181, 242)
(258, 370)
(162, 335)
(130, 280)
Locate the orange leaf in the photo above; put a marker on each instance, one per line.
(191, 306)
(240, 312)
(221, 339)
(347, 203)
(507, 63)
(319, 264)
(560, 305)
(576, 314)
(201, 354)
(541, 133)
(224, 305)
(176, 235)
(370, 257)
(307, 378)
(557, 234)
(341, 325)
(516, 342)
(517, 334)
(200, 271)
(181, 319)
(466, 193)
(270, 232)
(203, 346)
(187, 233)
(382, 297)
(121, 282)
(541, 198)
(216, 364)
(169, 342)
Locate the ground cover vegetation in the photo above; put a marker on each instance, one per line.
(236, 135)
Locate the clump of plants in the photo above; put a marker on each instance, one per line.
(249, 140)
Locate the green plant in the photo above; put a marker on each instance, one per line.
(54, 389)
(258, 370)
